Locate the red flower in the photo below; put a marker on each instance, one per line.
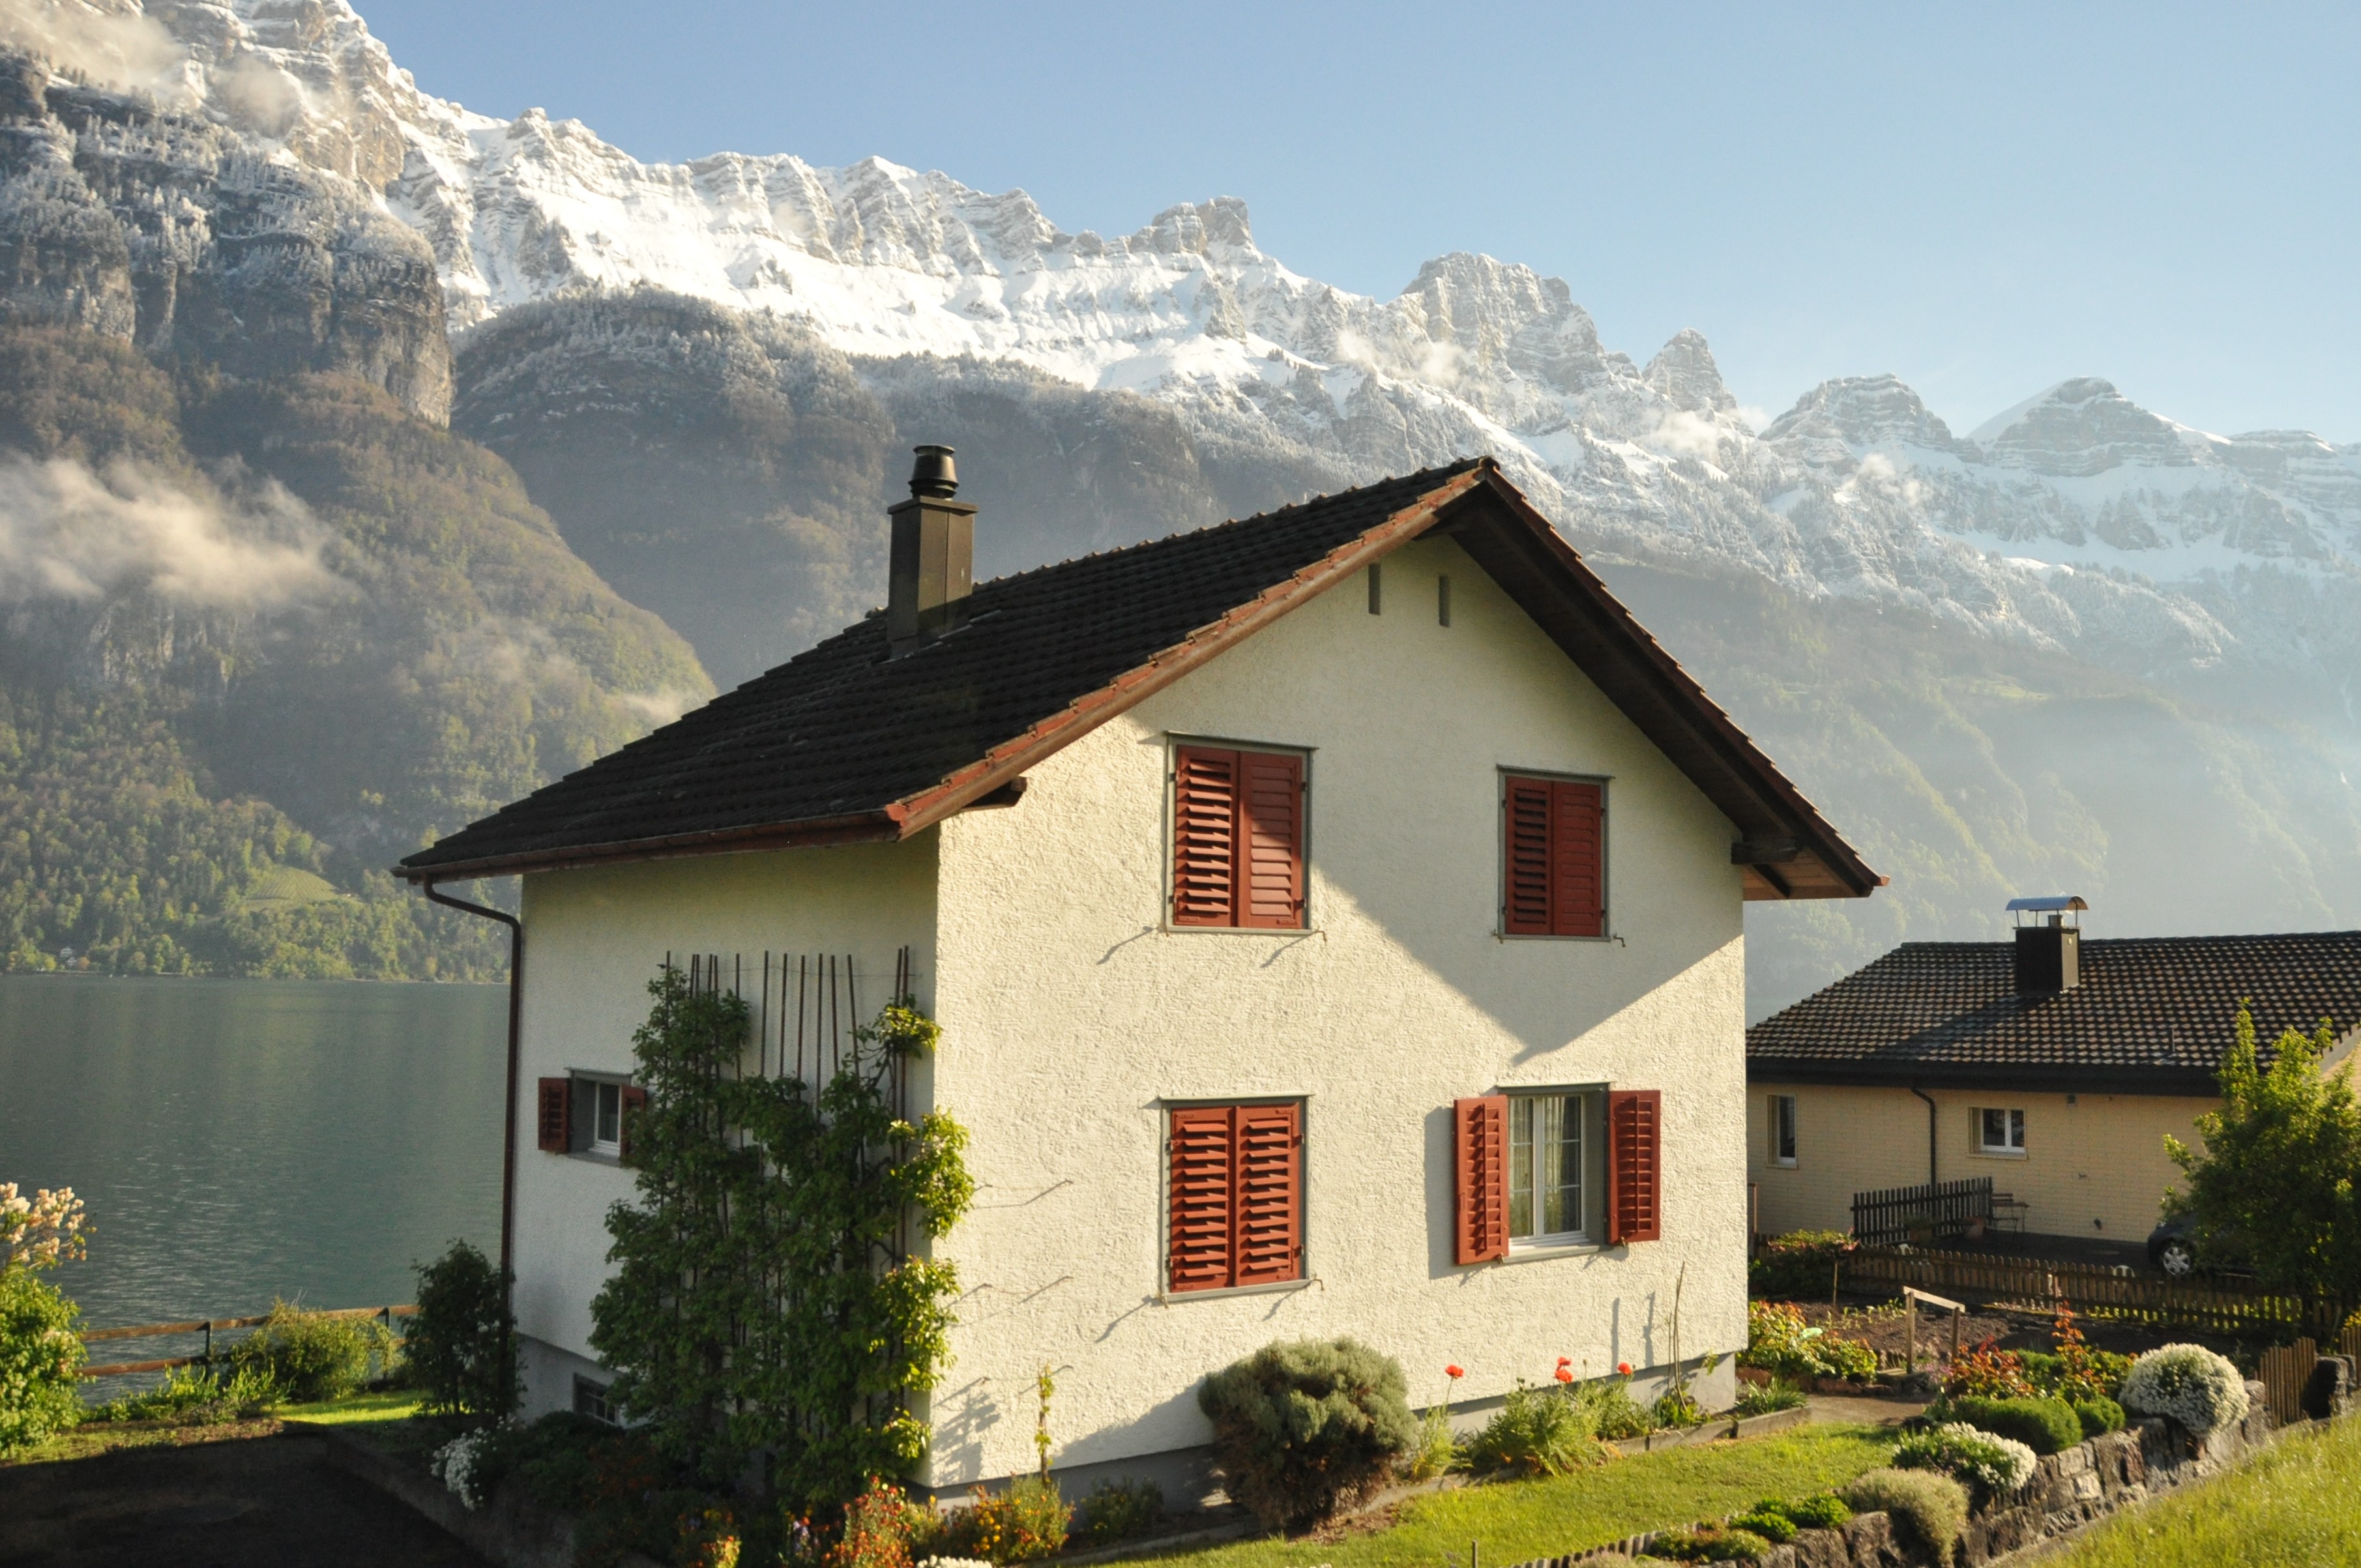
(1455, 1372)
(1624, 1367)
(1563, 1375)
(1565, 1361)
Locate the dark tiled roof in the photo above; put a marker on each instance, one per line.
(2153, 1013)
(841, 730)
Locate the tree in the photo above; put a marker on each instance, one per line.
(2276, 1177)
(41, 1354)
(461, 1345)
(763, 1302)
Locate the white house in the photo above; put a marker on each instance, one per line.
(1333, 921)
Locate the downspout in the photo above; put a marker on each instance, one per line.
(1914, 1089)
(507, 1121)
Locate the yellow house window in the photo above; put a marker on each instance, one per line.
(1783, 1129)
(2000, 1131)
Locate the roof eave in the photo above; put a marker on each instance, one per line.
(2174, 1082)
(858, 828)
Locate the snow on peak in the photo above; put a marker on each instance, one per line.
(1684, 371)
(2083, 427)
(1860, 411)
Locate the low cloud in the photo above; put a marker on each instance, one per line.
(114, 45)
(67, 533)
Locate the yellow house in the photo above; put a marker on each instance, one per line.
(1332, 919)
(2053, 1065)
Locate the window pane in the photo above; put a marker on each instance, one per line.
(1564, 1215)
(2017, 1129)
(1995, 1134)
(1521, 1166)
(610, 1113)
(1782, 1126)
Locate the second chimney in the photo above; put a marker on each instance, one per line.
(2048, 951)
(932, 568)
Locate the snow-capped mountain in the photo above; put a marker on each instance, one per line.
(2075, 520)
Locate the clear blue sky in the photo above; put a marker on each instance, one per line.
(1982, 200)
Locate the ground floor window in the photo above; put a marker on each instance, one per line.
(2000, 1131)
(605, 1105)
(1783, 1129)
(1552, 1143)
(590, 1399)
(1234, 1195)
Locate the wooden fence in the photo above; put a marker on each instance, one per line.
(2095, 1289)
(207, 1327)
(1945, 1208)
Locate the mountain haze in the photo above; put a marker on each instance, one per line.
(2081, 647)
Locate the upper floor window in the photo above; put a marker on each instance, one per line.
(1237, 837)
(2000, 1131)
(1554, 857)
(583, 1113)
(1783, 1129)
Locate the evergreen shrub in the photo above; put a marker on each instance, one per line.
(310, 1356)
(2099, 1415)
(458, 1347)
(2044, 1425)
(1304, 1427)
(1932, 1507)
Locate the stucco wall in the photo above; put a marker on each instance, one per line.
(1072, 1014)
(593, 940)
(2094, 1165)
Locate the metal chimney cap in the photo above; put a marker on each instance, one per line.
(933, 475)
(2049, 902)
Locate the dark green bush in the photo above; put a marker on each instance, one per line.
(40, 1360)
(2042, 1424)
(459, 1344)
(1825, 1511)
(1540, 1431)
(2099, 1415)
(311, 1357)
(1118, 1511)
(1709, 1544)
(1799, 1264)
(1776, 1528)
(1303, 1428)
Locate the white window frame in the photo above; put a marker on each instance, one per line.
(1782, 1131)
(1591, 1135)
(2012, 1131)
(602, 1092)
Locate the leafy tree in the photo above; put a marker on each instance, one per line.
(763, 1301)
(461, 1345)
(2276, 1179)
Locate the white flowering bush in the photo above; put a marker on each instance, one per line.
(455, 1465)
(2188, 1383)
(42, 1231)
(955, 1562)
(1997, 1463)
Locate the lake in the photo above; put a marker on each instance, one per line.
(238, 1139)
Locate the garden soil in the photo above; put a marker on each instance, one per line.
(268, 1502)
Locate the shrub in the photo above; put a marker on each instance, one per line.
(1614, 1413)
(1540, 1431)
(1118, 1511)
(1800, 1263)
(1987, 1372)
(1998, 1464)
(459, 1344)
(1823, 1510)
(1930, 1507)
(1778, 1340)
(1776, 1528)
(1708, 1543)
(311, 1357)
(1304, 1427)
(1762, 1399)
(2043, 1425)
(40, 1360)
(1026, 1522)
(192, 1398)
(2098, 1414)
(878, 1528)
(2077, 1371)
(2188, 1383)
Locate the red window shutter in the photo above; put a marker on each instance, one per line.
(1204, 837)
(635, 1101)
(1269, 1165)
(1526, 842)
(1635, 1165)
(557, 1118)
(1481, 1154)
(1271, 838)
(1577, 890)
(1198, 1251)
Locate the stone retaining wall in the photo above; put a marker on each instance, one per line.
(2068, 1491)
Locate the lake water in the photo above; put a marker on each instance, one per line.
(239, 1139)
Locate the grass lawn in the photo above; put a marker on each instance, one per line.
(387, 1405)
(92, 1438)
(2296, 1505)
(1518, 1520)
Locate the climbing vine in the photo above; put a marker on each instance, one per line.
(766, 1304)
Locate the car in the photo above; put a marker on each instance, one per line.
(2173, 1246)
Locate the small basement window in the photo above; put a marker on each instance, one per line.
(2000, 1131)
(1783, 1129)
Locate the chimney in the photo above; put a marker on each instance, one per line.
(933, 561)
(2048, 951)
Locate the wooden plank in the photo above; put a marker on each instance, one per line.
(124, 1368)
(197, 1325)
